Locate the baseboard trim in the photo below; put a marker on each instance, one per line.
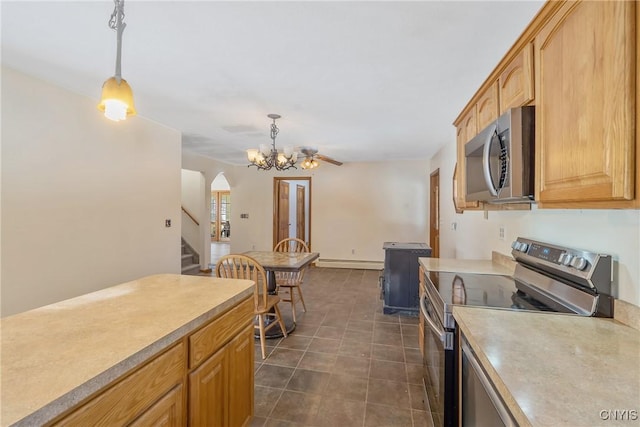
(346, 263)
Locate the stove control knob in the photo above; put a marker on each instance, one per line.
(515, 245)
(567, 259)
(523, 247)
(579, 263)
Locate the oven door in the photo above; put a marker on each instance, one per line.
(439, 362)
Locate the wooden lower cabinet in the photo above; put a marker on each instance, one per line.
(221, 389)
(208, 386)
(213, 387)
(133, 396)
(167, 412)
(241, 369)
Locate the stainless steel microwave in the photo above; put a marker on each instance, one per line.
(500, 159)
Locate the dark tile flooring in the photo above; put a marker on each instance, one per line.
(346, 363)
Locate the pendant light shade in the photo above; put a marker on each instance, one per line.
(117, 97)
(117, 100)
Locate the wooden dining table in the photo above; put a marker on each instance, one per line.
(281, 261)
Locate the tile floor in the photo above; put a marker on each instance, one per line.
(346, 364)
(218, 250)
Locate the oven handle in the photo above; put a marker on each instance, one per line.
(488, 386)
(439, 331)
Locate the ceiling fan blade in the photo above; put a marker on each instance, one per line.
(328, 159)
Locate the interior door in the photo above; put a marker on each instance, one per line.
(301, 216)
(283, 211)
(300, 212)
(434, 214)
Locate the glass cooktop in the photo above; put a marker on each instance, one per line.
(482, 290)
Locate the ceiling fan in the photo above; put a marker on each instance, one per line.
(311, 154)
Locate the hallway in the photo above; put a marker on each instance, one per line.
(218, 250)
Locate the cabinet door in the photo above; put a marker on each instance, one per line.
(585, 72)
(516, 81)
(465, 132)
(487, 108)
(241, 353)
(167, 412)
(208, 397)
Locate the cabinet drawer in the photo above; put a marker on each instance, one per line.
(209, 339)
(127, 399)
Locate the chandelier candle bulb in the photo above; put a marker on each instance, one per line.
(252, 153)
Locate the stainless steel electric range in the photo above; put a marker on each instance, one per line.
(547, 278)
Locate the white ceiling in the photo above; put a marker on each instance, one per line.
(360, 81)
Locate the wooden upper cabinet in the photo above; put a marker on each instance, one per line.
(585, 98)
(487, 108)
(464, 132)
(469, 126)
(515, 83)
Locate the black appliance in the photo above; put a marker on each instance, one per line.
(547, 278)
(400, 285)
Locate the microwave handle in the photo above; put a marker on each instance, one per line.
(485, 161)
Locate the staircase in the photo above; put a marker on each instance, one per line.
(190, 260)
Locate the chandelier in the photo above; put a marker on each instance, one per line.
(117, 97)
(267, 157)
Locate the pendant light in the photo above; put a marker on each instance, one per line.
(117, 97)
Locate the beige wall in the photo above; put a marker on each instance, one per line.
(355, 208)
(84, 199)
(615, 232)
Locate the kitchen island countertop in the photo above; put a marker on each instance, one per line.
(56, 356)
(555, 369)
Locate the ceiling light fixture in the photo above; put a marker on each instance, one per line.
(309, 163)
(266, 158)
(117, 97)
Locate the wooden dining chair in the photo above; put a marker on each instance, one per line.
(291, 280)
(236, 266)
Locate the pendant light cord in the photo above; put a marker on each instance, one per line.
(116, 23)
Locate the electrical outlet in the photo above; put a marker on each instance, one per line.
(502, 232)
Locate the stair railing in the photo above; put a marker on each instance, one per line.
(190, 216)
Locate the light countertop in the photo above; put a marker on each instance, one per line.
(55, 356)
(555, 369)
(465, 266)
